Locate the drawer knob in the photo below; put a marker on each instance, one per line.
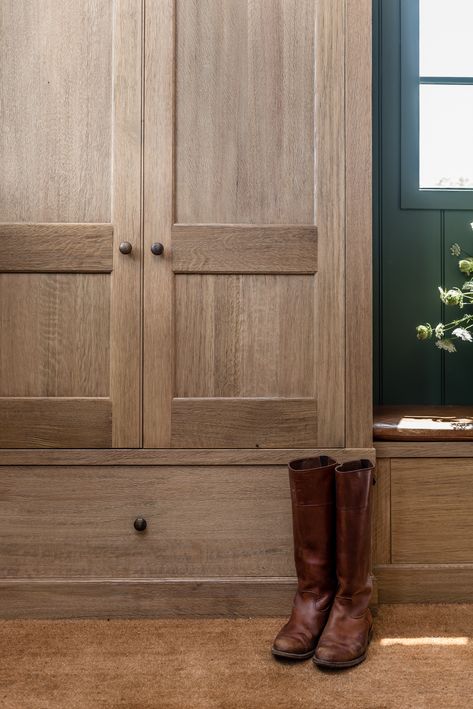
(125, 247)
(140, 524)
(157, 249)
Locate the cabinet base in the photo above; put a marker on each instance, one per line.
(145, 598)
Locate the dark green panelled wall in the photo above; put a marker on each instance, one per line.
(411, 253)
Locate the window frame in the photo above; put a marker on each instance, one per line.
(412, 195)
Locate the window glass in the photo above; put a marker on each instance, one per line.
(446, 44)
(446, 136)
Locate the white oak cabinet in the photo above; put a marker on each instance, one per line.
(185, 282)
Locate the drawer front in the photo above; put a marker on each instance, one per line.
(201, 521)
(432, 510)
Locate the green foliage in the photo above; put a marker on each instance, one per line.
(444, 334)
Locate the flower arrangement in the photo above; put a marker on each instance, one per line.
(458, 329)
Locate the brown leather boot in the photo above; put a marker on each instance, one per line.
(312, 482)
(347, 634)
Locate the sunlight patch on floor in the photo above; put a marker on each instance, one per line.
(424, 641)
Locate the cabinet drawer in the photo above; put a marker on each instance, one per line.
(201, 521)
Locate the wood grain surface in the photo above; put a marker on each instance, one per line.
(245, 112)
(59, 248)
(431, 502)
(330, 219)
(146, 598)
(170, 456)
(126, 286)
(244, 336)
(56, 93)
(79, 521)
(54, 334)
(359, 346)
(223, 423)
(229, 190)
(55, 422)
(238, 248)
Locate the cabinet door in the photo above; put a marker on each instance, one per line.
(244, 190)
(69, 194)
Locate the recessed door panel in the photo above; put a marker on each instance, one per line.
(244, 336)
(245, 111)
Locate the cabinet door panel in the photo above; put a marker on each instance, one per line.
(244, 308)
(69, 194)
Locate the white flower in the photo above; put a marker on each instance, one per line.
(446, 345)
(462, 334)
(453, 296)
(455, 250)
(440, 330)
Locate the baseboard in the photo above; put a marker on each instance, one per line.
(145, 598)
(236, 597)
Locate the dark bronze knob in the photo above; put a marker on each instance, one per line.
(140, 524)
(125, 247)
(157, 249)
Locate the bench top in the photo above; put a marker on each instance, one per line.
(423, 423)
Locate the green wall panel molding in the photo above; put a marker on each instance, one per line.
(411, 252)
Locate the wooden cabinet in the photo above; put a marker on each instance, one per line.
(185, 278)
(227, 146)
(70, 150)
(423, 530)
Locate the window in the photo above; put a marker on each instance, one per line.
(437, 104)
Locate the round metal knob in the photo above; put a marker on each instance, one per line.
(157, 249)
(140, 524)
(125, 247)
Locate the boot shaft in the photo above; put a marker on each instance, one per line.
(312, 484)
(354, 481)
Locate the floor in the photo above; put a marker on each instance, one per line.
(421, 656)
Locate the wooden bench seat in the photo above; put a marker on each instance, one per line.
(423, 423)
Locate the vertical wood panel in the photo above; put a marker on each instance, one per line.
(244, 335)
(280, 143)
(244, 111)
(277, 354)
(212, 111)
(158, 219)
(54, 334)
(125, 342)
(330, 181)
(382, 513)
(359, 354)
(55, 93)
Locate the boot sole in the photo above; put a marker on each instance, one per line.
(346, 663)
(292, 655)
